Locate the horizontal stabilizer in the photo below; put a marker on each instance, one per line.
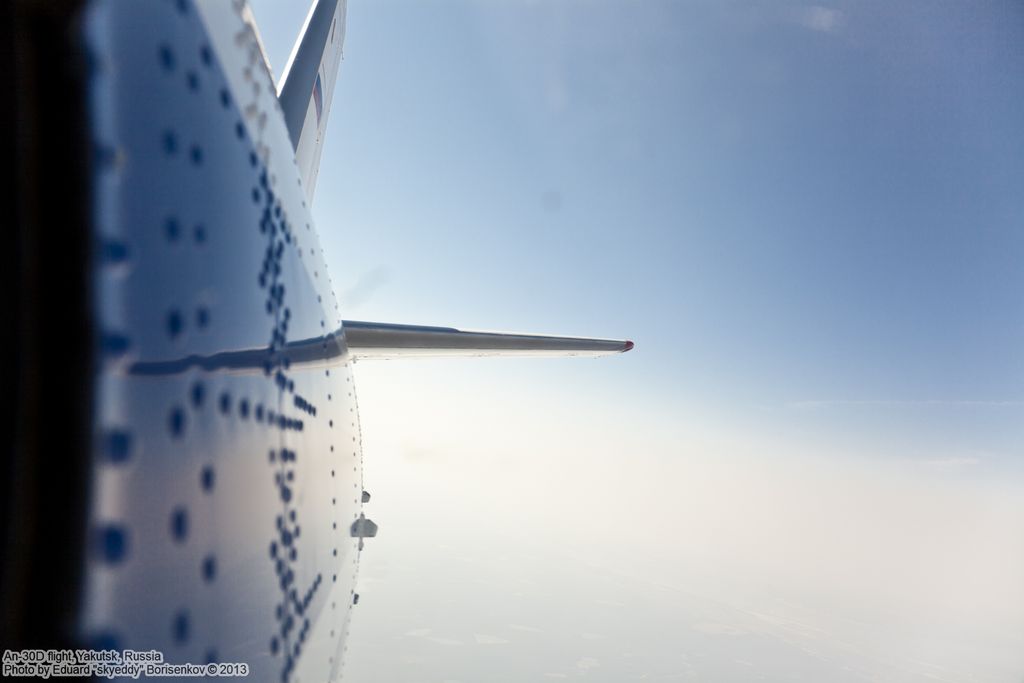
(383, 340)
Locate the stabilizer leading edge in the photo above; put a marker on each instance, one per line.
(368, 340)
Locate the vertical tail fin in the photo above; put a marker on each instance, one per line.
(307, 84)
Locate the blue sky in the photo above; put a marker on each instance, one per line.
(808, 217)
(780, 203)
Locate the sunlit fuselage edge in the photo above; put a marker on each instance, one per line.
(222, 503)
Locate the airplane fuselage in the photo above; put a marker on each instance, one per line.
(222, 499)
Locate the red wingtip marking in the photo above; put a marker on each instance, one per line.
(629, 346)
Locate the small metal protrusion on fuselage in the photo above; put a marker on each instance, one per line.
(363, 528)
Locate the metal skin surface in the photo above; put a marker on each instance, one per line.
(223, 500)
(224, 520)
